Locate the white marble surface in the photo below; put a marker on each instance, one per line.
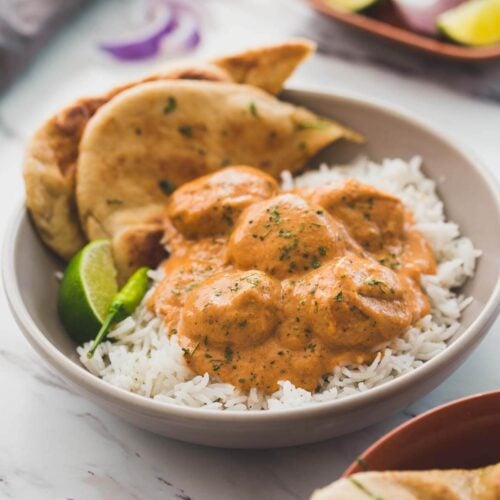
(53, 443)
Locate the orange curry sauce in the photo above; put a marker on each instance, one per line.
(263, 286)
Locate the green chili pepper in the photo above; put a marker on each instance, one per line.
(124, 304)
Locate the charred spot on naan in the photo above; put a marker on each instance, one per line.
(136, 246)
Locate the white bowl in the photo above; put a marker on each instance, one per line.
(471, 198)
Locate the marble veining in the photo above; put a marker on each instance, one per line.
(54, 444)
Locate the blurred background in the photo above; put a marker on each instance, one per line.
(133, 35)
(52, 51)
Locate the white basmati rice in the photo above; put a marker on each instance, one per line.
(142, 359)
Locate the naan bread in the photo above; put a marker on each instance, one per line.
(479, 484)
(50, 161)
(169, 132)
(266, 67)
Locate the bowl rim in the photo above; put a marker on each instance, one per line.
(464, 402)
(92, 384)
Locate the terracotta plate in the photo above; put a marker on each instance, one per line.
(461, 434)
(384, 22)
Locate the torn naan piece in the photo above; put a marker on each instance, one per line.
(266, 67)
(51, 155)
(163, 134)
(453, 484)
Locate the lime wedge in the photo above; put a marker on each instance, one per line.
(474, 23)
(87, 290)
(352, 5)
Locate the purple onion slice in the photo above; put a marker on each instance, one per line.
(173, 26)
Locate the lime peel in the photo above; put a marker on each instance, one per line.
(352, 5)
(473, 23)
(87, 290)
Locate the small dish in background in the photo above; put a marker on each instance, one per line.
(463, 434)
(384, 21)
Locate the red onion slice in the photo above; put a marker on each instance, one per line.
(171, 20)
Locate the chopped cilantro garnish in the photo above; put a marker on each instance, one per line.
(285, 234)
(170, 105)
(114, 201)
(364, 489)
(253, 279)
(187, 353)
(374, 282)
(227, 215)
(315, 263)
(253, 109)
(275, 216)
(228, 353)
(362, 463)
(186, 130)
(166, 186)
(319, 125)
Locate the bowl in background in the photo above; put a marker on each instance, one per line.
(470, 195)
(463, 434)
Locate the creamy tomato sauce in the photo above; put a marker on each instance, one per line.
(263, 286)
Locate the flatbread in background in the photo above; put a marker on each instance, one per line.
(266, 67)
(166, 133)
(51, 155)
(478, 484)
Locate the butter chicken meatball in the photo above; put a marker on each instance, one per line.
(210, 205)
(234, 308)
(351, 303)
(373, 218)
(184, 273)
(373, 306)
(284, 236)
